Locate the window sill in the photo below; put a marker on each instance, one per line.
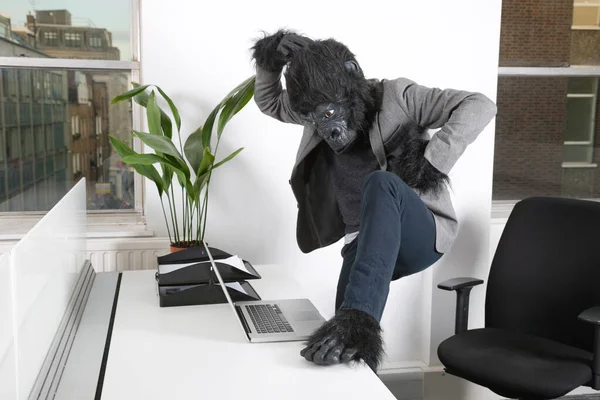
(585, 28)
(579, 165)
(13, 228)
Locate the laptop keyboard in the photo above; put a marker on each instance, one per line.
(268, 318)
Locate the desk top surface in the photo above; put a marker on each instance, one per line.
(201, 352)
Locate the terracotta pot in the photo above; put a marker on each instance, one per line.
(175, 247)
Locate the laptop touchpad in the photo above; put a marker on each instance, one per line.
(307, 315)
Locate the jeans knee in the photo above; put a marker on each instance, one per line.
(386, 181)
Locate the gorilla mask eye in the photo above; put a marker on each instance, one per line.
(329, 113)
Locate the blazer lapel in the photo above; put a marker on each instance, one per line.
(308, 142)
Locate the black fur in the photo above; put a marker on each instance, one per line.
(410, 164)
(266, 52)
(357, 330)
(317, 73)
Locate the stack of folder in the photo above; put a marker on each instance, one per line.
(187, 278)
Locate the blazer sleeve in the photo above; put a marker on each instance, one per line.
(271, 98)
(459, 115)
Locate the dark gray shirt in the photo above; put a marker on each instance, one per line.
(348, 173)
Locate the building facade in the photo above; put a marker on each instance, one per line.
(547, 138)
(55, 125)
(34, 168)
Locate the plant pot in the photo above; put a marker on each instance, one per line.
(178, 246)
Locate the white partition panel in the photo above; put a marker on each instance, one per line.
(8, 383)
(45, 264)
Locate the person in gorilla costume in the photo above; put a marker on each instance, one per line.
(365, 171)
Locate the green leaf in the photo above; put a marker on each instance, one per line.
(178, 165)
(142, 159)
(234, 105)
(186, 183)
(193, 149)
(207, 161)
(165, 121)
(160, 144)
(201, 182)
(173, 108)
(145, 170)
(167, 176)
(153, 112)
(127, 95)
(228, 158)
(122, 149)
(208, 125)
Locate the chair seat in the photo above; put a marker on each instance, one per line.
(516, 365)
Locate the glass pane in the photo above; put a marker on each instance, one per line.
(582, 85)
(578, 153)
(580, 119)
(69, 28)
(59, 132)
(585, 15)
(534, 119)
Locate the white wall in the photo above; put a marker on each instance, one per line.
(198, 51)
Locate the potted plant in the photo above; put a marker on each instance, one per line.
(192, 163)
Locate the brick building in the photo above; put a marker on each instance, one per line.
(547, 138)
(33, 130)
(56, 36)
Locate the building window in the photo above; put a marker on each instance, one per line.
(4, 28)
(581, 127)
(73, 39)
(95, 41)
(40, 144)
(43, 112)
(98, 125)
(586, 14)
(51, 38)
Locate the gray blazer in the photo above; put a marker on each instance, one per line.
(459, 117)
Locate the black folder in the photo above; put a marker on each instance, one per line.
(197, 283)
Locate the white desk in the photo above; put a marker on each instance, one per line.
(199, 352)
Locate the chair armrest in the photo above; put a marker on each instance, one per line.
(459, 283)
(463, 287)
(592, 316)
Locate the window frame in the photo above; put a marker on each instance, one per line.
(577, 4)
(501, 209)
(134, 216)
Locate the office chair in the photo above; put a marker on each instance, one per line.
(541, 336)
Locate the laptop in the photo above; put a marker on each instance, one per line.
(273, 321)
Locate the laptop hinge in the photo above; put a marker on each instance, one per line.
(240, 313)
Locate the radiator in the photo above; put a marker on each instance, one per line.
(125, 254)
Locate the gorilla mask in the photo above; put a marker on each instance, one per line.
(326, 86)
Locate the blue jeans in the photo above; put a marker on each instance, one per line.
(396, 239)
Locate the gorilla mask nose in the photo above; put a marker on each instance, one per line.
(335, 132)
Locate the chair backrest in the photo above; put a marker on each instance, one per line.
(546, 270)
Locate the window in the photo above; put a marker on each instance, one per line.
(95, 41)
(547, 140)
(53, 129)
(73, 39)
(580, 130)
(4, 27)
(586, 14)
(50, 38)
